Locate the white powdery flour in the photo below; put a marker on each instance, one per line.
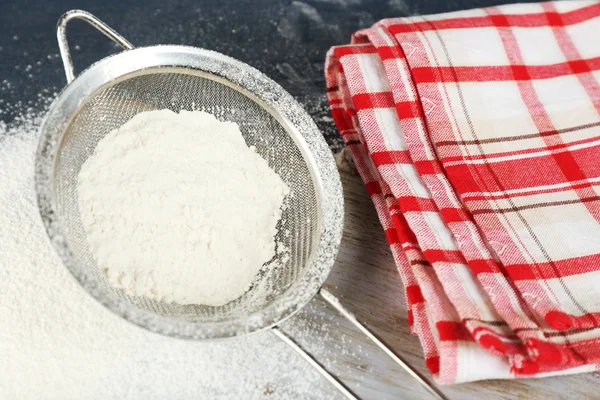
(178, 208)
(56, 342)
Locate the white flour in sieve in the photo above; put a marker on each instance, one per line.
(178, 208)
(56, 342)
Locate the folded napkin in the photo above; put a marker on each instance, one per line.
(477, 134)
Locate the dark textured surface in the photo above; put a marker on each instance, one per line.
(285, 39)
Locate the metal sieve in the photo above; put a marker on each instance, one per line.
(116, 88)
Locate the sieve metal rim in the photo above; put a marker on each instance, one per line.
(276, 100)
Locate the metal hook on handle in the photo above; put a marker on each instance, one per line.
(63, 44)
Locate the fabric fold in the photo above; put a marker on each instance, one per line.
(477, 134)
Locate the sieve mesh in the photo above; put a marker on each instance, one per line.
(112, 91)
(187, 89)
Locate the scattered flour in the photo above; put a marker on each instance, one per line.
(178, 208)
(56, 342)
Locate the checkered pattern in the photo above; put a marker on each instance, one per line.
(477, 134)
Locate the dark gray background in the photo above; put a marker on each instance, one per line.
(285, 39)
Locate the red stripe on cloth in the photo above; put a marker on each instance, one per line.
(482, 266)
(571, 168)
(411, 318)
(453, 331)
(563, 321)
(341, 119)
(389, 52)
(408, 109)
(504, 73)
(511, 20)
(581, 66)
(554, 19)
(426, 167)
(454, 215)
(431, 74)
(451, 256)
(367, 101)
(526, 368)
(557, 148)
(548, 353)
(520, 72)
(552, 354)
(392, 236)
(412, 203)
(493, 344)
(405, 234)
(342, 51)
(391, 157)
(433, 363)
(474, 197)
(574, 165)
(466, 183)
(373, 188)
(560, 268)
(560, 320)
(414, 294)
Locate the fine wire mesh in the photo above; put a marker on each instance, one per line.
(154, 89)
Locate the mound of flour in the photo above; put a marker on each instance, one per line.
(178, 208)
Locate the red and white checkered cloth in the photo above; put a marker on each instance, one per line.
(477, 134)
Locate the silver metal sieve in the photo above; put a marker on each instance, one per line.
(111, 92)
(115, 89)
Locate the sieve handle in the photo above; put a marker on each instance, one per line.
(335, 303)
(63, 44)
(335, 382)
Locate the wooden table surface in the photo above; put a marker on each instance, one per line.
(367, 283)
